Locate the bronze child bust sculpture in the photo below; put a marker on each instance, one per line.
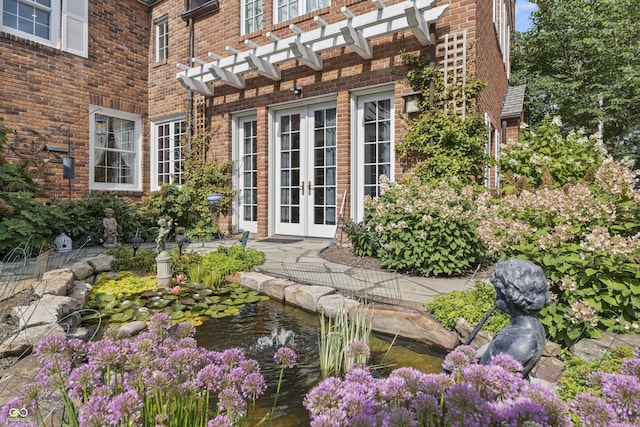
(521, 292)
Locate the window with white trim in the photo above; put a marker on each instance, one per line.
(115, 150)
(169, 152)
(49, 22)
(289, 9)
(162, 39)
(251, 16)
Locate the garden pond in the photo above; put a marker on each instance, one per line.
(262, 327)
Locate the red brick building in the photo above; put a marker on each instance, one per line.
(306, 96)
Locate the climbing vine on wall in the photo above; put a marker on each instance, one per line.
(447, 139)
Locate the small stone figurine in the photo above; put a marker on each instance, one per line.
(521, 292)
(110, 225)
(164, 227)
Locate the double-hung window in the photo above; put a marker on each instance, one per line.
(169, 152)
(33, 19)
(251, 16)
(162, 39)
(49, 22)
(289, 9)
(115, 150)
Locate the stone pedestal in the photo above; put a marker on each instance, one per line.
(164, 268)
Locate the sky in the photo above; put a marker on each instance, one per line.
(523, 10)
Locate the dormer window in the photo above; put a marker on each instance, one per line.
(198, 8)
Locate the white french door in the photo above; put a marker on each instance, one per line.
(374, 151)
(306, 171)
(248, 174)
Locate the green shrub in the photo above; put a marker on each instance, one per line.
(470, 304)
(577, 370)
(183, 264)
(544, 157)
(228, 260)
(143, 261)
(585, 237)
(362, 238)
(84, 216)
(421, 229)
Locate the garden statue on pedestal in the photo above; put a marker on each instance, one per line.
(110, 225)
(164, 227)
(521, 292)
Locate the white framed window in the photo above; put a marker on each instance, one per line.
(44, 21)
(168, 152)
(251, 16)
(115, 140)
(289, 9)
(37, 20)
(162, 39)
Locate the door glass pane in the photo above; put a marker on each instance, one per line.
(289, 168)
(325, 164)
(377, 135)
(249, 170)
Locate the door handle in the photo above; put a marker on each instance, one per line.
(302, 187)
(309, 187)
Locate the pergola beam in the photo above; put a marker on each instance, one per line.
(355, 31)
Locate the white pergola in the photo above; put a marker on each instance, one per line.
(355, 32)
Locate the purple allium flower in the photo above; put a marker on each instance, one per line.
(231, 402)
(556, 409)
(394, 390)
(115, 333)
(592, 411)
(285, 357)
(83, 380)
(106, 353)
(325, 420)
(53, 346)
(160, 323)
(159, 383)
(357, 400)
(231, 357)
(364, 420)
(185, 330)
(631, 367)
(623, 394)
(461, 356)
(330, 417)
(187, 342)
(186, 362)
(400, 417)
(427, 409)
(327, 394)
(493, 381)
(523, 412)
(125, 408)
(53, 374)
(94, 413)
(211, 378)
(465, 408)
(507, 362)
(253, 386)
(359, 350)
(250, 366)
(5, 414)
(220, 421)
(415, 380)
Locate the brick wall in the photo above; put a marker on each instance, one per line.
(43, 87)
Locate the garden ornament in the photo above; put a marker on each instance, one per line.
(164, 227)
(521, 292)
(110, 229)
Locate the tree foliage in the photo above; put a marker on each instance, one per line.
(581, 61)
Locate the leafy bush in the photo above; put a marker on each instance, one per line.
(143, 261)
(421, 229)
(574, 379)
(228, 260)
(84, 216)
(470, 304)
(586, 237)
(544, 158)
(362, 238)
